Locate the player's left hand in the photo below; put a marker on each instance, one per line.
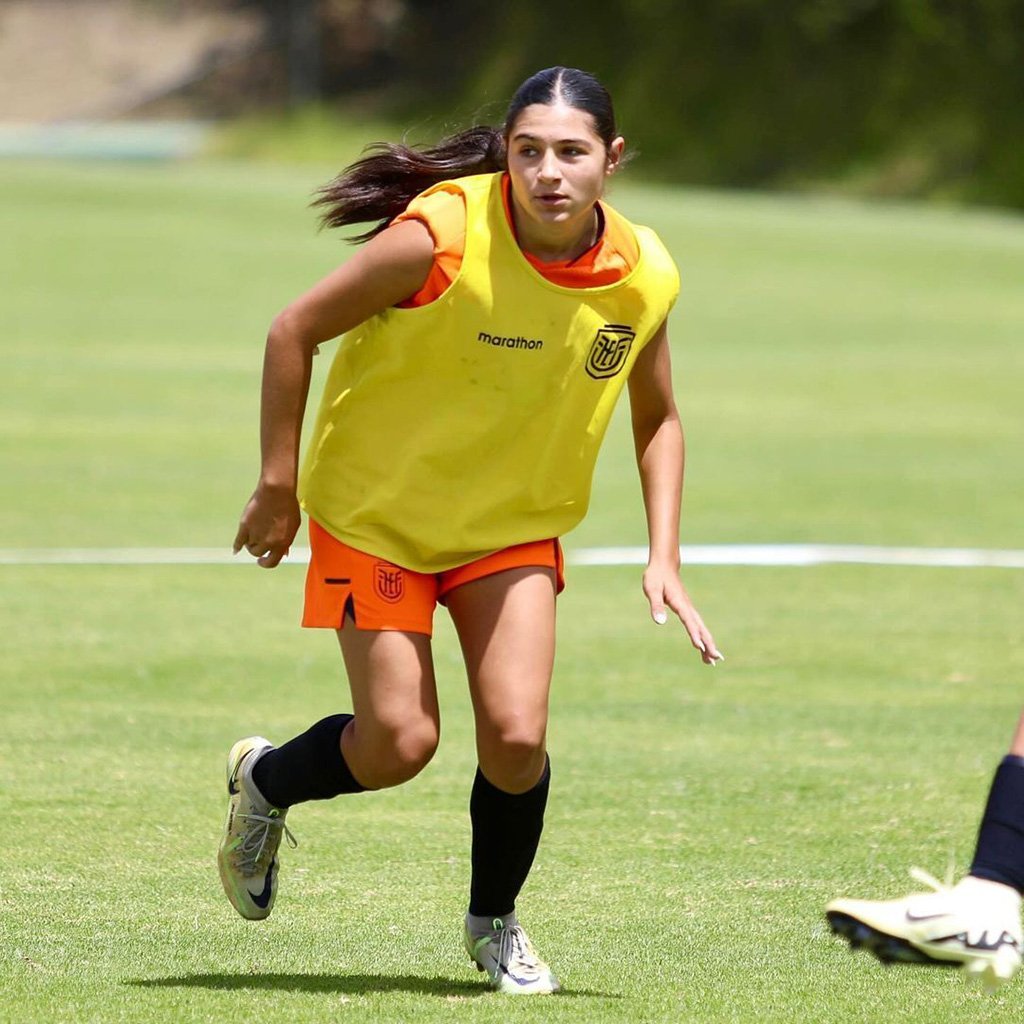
(665, 591)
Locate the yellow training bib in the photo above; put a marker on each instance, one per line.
(455, 429)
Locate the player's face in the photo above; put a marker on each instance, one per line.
(558, 165)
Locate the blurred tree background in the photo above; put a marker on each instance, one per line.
(880, 97)
(911, 96)
(894, 97)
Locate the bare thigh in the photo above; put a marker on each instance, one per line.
(506, 626)
(394, 697)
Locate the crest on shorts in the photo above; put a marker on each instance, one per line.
(609, 351)
(388, 582)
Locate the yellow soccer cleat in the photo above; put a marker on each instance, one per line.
(247, 857)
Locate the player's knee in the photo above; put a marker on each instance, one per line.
(403, 752)
(414, 749)
(513, 758)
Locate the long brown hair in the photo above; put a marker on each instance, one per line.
(379, 185)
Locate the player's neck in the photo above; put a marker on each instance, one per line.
(555, 243)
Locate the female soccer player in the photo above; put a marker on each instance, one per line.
(491, 321)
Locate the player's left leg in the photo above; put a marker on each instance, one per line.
(506, 625)
(976, 923)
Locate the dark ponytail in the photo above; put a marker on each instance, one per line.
(380, 185)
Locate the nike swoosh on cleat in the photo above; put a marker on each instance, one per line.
(262, 899)
(518, 981)
(924, 917)
(514, 977)
(233, 778)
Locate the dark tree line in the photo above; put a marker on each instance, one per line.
(927, 94)
(912, 96)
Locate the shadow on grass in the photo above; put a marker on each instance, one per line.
(355, 984)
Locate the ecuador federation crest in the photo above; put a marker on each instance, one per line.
(609, 351)
(388, 582)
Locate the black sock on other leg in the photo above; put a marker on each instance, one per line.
(506, 834)
(999, 855)
(308, 767)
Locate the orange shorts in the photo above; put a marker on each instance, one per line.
(378, 595)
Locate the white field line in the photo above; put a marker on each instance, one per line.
(697, 554)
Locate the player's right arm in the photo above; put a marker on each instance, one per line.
(389, 268)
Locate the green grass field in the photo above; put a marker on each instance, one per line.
(847, 374)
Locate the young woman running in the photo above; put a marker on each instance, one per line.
(491, 321)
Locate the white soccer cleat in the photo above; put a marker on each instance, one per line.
(974, 925)
(247, 857)
(509, 959)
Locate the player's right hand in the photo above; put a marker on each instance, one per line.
(269, 524)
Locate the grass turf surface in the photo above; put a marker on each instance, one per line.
(846, 373)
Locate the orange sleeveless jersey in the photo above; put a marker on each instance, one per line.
(444, 214)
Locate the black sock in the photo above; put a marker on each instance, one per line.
(999, 855)
(506, 833)
(309, 767)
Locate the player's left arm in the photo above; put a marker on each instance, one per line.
(660, 456)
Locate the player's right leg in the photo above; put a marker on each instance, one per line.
(385, 640)
(397, 722)
(389, 740)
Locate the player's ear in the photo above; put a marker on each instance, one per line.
(614, 154)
